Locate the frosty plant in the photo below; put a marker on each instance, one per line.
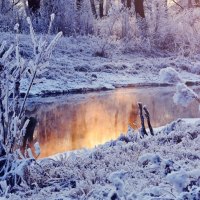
(13, 69)
(184, 95)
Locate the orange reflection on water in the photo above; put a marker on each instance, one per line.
(102, 117)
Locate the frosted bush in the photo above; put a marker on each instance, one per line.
(179, 180)
(111, 172)
(149, 158)
(85, 18)
(150, 161)
(117, 175)
(169, 75)
(164, 28)
(184, 95)
(13, 70)
(8, 15)
(196, 68)
(193, 194)
(184, 181)
(68, 19)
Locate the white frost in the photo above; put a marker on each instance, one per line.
(37, 148)
(178, 179)
(30, 154)
(169, 75)
(184, 95)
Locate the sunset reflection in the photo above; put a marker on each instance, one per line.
(102, 117)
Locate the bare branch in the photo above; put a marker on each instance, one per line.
(178, 4)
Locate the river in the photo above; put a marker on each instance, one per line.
(78, 121)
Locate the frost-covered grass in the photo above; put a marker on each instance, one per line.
(13, 123)
(164, 166)
(75, 65)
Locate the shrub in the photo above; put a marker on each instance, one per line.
(13, 70)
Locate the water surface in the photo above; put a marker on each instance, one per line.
(85, 120)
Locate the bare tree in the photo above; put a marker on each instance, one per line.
(34, 5)
(7, 5)
(93, 7)
(101, 8)
(123, 2)
(189, 3)
(126, 3)
(139, 8)
(197, 2)
(165, 7)
(129, 3)
(78, 4)
(2, 5)
(107, 6)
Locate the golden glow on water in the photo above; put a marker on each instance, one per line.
(102, 117)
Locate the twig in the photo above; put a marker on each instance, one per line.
(11, 8)
(169, 192)
(178, 4)
(143, 130)
(2, 120)
(198, 99)
(147, 115)
(27, 93)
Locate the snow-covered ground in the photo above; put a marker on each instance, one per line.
(76, 65)
(164, 166)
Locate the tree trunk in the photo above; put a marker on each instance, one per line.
(93, 8)
(26, 8)
(157, 20)
(189, 3)
(125, 24)
(123, 2)
(197, 2)
(128, 4)
(78, 4)
(101, 8)
(28, 137)
(107, 6)
(17, 95)
(34, 5)
(139, 8)
(141, 21)
(2, 5)
(165, 8)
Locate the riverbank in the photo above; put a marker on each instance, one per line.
(164, 166)
(76, 66)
